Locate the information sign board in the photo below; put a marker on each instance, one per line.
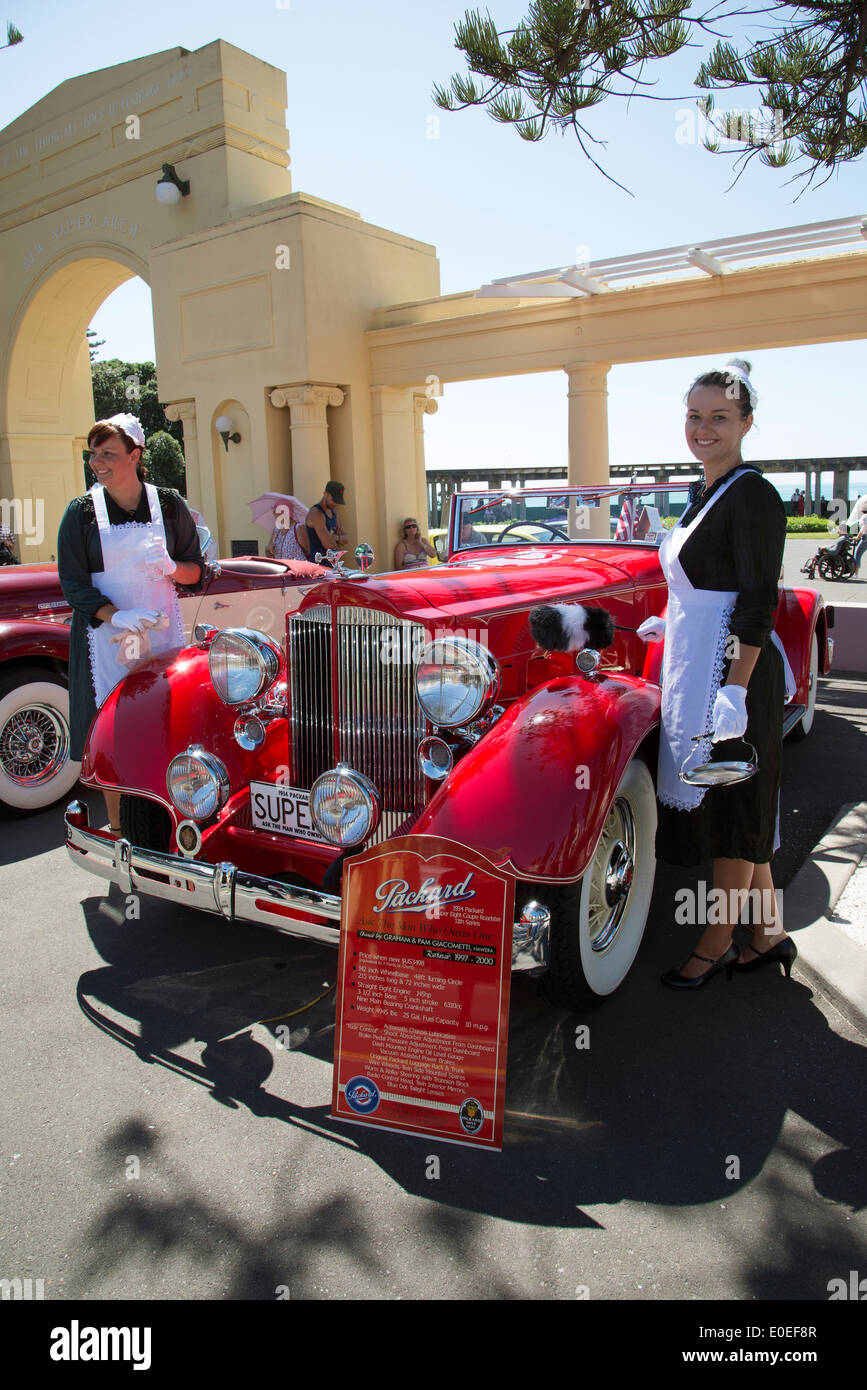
(423, 991)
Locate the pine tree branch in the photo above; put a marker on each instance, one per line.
(567, 56)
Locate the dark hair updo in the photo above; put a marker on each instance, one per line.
(728, 381)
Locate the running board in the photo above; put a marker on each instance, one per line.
(791, 716)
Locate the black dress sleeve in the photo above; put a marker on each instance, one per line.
(184, 547)
(73, 567)
(757, 536)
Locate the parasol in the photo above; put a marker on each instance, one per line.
(277, 509)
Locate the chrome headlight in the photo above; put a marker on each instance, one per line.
(455, 680)
(345, 806)
(198, 784)
(243, 664)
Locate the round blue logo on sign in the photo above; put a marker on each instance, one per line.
(362, 1095)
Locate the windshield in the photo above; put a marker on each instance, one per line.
(629, 515)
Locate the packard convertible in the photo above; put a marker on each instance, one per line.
(427, 703)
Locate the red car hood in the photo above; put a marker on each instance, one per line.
(489, 581)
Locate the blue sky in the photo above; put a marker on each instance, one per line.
(361, 132)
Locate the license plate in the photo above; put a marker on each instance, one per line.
(283, 809)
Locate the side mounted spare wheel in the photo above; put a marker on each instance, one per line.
(35, 767)
(597, 924)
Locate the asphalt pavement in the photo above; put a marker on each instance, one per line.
(159, 1143)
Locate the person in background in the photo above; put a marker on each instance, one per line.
(801, 504)
(7, 554)
(469, 535)
(324, 529)
(412, 550)
(121, 549)
(861, 537)
(288, 541)
(793, 504)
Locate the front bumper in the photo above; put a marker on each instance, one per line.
(237, 896)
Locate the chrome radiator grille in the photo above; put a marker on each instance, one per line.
(377, 723)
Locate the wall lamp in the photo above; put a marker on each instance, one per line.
(223, 426)
(171, 188)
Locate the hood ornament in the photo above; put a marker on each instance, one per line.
(364, 555)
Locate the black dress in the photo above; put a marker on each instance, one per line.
(739, 548)
(79, 555)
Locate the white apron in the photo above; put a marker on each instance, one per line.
(696, 629)
(125, 582)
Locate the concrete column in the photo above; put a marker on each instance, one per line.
(841, 486)
(588, 432)
(185, 411)
(809, 500)
(311, 461)
(423, 405)
(395, 470)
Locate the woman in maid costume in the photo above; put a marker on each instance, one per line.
(121, 549)
(722, 564)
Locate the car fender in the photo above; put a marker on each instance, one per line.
(157, 712)
(800, 613)
(28, 639)
(534, 793)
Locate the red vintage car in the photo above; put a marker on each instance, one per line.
(35, 769)
(419, 703)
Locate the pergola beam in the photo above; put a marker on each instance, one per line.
(713, 258)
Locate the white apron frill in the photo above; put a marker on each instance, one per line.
(125, 582)
(696, 629)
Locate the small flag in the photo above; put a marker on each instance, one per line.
(626, 519)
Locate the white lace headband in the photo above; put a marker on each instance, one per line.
(737, 370)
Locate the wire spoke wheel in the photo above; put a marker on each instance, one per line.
(611, 876)
(35, 766)
(34, 745)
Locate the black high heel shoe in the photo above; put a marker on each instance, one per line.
(726, 962)
(785, 951)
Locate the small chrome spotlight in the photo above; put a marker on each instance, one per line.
(435, 758)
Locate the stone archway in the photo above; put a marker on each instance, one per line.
(79, 216)
(261, 296)
(49, 398)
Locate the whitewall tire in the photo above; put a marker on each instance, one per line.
(35, 767)
(597, 924)
(805, 723)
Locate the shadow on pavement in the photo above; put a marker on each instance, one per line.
(670, 1089)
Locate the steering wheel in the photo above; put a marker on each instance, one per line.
(546, 525)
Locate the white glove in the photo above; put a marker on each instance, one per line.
(729, 713)
(158, 561)
(135, 619)
(651, 630)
